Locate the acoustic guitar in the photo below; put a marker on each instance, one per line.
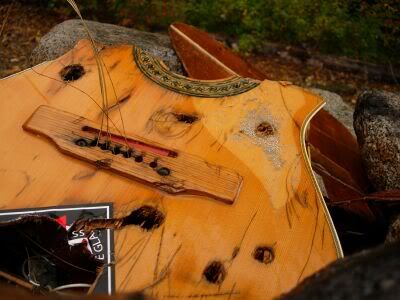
(211, 184)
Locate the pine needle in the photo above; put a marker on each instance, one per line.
(6, 18)
(103, 88)
(103, 85)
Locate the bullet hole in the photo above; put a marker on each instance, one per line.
(72, 72)
(264, 254)
(146, 216)
(265, 129)
(188, 119)
(214, 272)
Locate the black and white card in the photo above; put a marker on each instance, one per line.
(99, 242)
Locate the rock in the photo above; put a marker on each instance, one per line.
(377, 126)
(337, 108)
(64, 36)
(371, 274)
(393, 234)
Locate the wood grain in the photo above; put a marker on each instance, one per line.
(186, 173)
(276, 233)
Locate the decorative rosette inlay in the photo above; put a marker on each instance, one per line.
(155, 71)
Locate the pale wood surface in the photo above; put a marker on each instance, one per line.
(187, 173)
(278, 205)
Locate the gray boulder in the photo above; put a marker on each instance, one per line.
(64, 36)
(377, 126)
(337, 107)
(372, 274)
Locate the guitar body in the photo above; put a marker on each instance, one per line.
(238, 211)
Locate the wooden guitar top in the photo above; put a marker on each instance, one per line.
(246, 220)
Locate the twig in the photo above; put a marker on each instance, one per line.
(6, 17)
(94, 284)
(366, 199)
(16, 280)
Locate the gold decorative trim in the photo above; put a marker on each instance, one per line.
(156, 72)
(307, 159)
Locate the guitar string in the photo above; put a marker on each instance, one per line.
(104, 107)
(118, 105)
(9, 8)
(103, 84)
(99, 66)
(81, 91)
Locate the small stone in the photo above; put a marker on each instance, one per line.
(315, 63)
(393, 234)
(377, 126)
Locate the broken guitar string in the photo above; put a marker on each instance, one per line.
(102, 73)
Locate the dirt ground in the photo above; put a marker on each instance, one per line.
(22, 26)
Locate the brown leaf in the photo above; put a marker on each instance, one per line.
(334, 150)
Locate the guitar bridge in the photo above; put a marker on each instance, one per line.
(171, 171)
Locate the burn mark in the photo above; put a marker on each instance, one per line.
(114, 65)
(214, 272)
(146, 216)
(83, 175)
(103, 163)
(265, 129)
(171, 124)
(235, 252)
(301, 197)
(28, 181)
(264, 254)
(72, 72)
(312, 240)
(184, 118)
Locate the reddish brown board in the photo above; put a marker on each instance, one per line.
(205, 58)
